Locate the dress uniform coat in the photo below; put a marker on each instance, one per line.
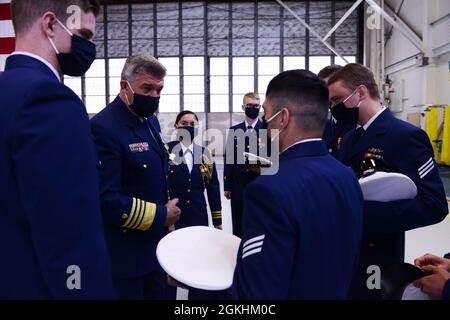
(133, 165)
(405, 149)
(236, 177)
(446, 292)
(189, 187)
(295, 244)
(334, 135)
(50, 221)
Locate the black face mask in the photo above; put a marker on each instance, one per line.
(345, 115)
(143, 106)
(79, 60)
(187, 131)
(252, 112)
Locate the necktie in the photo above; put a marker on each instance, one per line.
(357, 135)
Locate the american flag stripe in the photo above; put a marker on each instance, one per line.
(5, 11)
(7, 36)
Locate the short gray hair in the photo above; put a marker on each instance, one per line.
(142, 64)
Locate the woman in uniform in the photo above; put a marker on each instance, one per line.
(191, 171)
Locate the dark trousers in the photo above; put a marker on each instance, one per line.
(237, 208)
(151, 286)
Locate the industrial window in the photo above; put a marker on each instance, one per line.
(214, 52)
(268, 67)
(170, 96)
(219, 84)
(115, 71)
(95, 90)
(194, 83)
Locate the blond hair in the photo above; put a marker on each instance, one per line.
(251, 95)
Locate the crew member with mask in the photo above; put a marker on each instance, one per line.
(341, 121)
(294, 245)
(404, 149)
(192, 172)
(236, 176)
(51, 233)
(133, 164)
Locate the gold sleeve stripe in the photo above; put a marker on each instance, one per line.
(130, 216)
(138, 215)
(216, 214)
(149, 217)
(133, 214)
(141, 216)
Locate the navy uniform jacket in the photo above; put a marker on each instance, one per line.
(446, 292)
(190, 188)
(235, 176)
(406, 149)
(49, 205)
(133, 186)
(334, 134)
(301, 229)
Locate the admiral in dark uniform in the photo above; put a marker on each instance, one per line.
(133, 167)
(236, 176)
(51, 233)
(405, 149)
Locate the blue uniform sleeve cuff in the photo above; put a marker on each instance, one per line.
(446, 292)
(160, 217)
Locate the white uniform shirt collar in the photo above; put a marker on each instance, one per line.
(48, 64)
(251, 125)
(184, 148)
(302, 141)
(371, 120)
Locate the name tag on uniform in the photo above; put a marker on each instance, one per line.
(139, 147)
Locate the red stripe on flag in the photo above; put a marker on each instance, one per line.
(5, 11)
(7, 45)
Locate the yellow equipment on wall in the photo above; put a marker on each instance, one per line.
(437, 126)
(445, 153)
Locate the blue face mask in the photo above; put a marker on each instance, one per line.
(79, 60)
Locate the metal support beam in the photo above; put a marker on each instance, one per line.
(313, 32)
(404, 25)
(344, 17)
(398, 23)
(397, 11)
